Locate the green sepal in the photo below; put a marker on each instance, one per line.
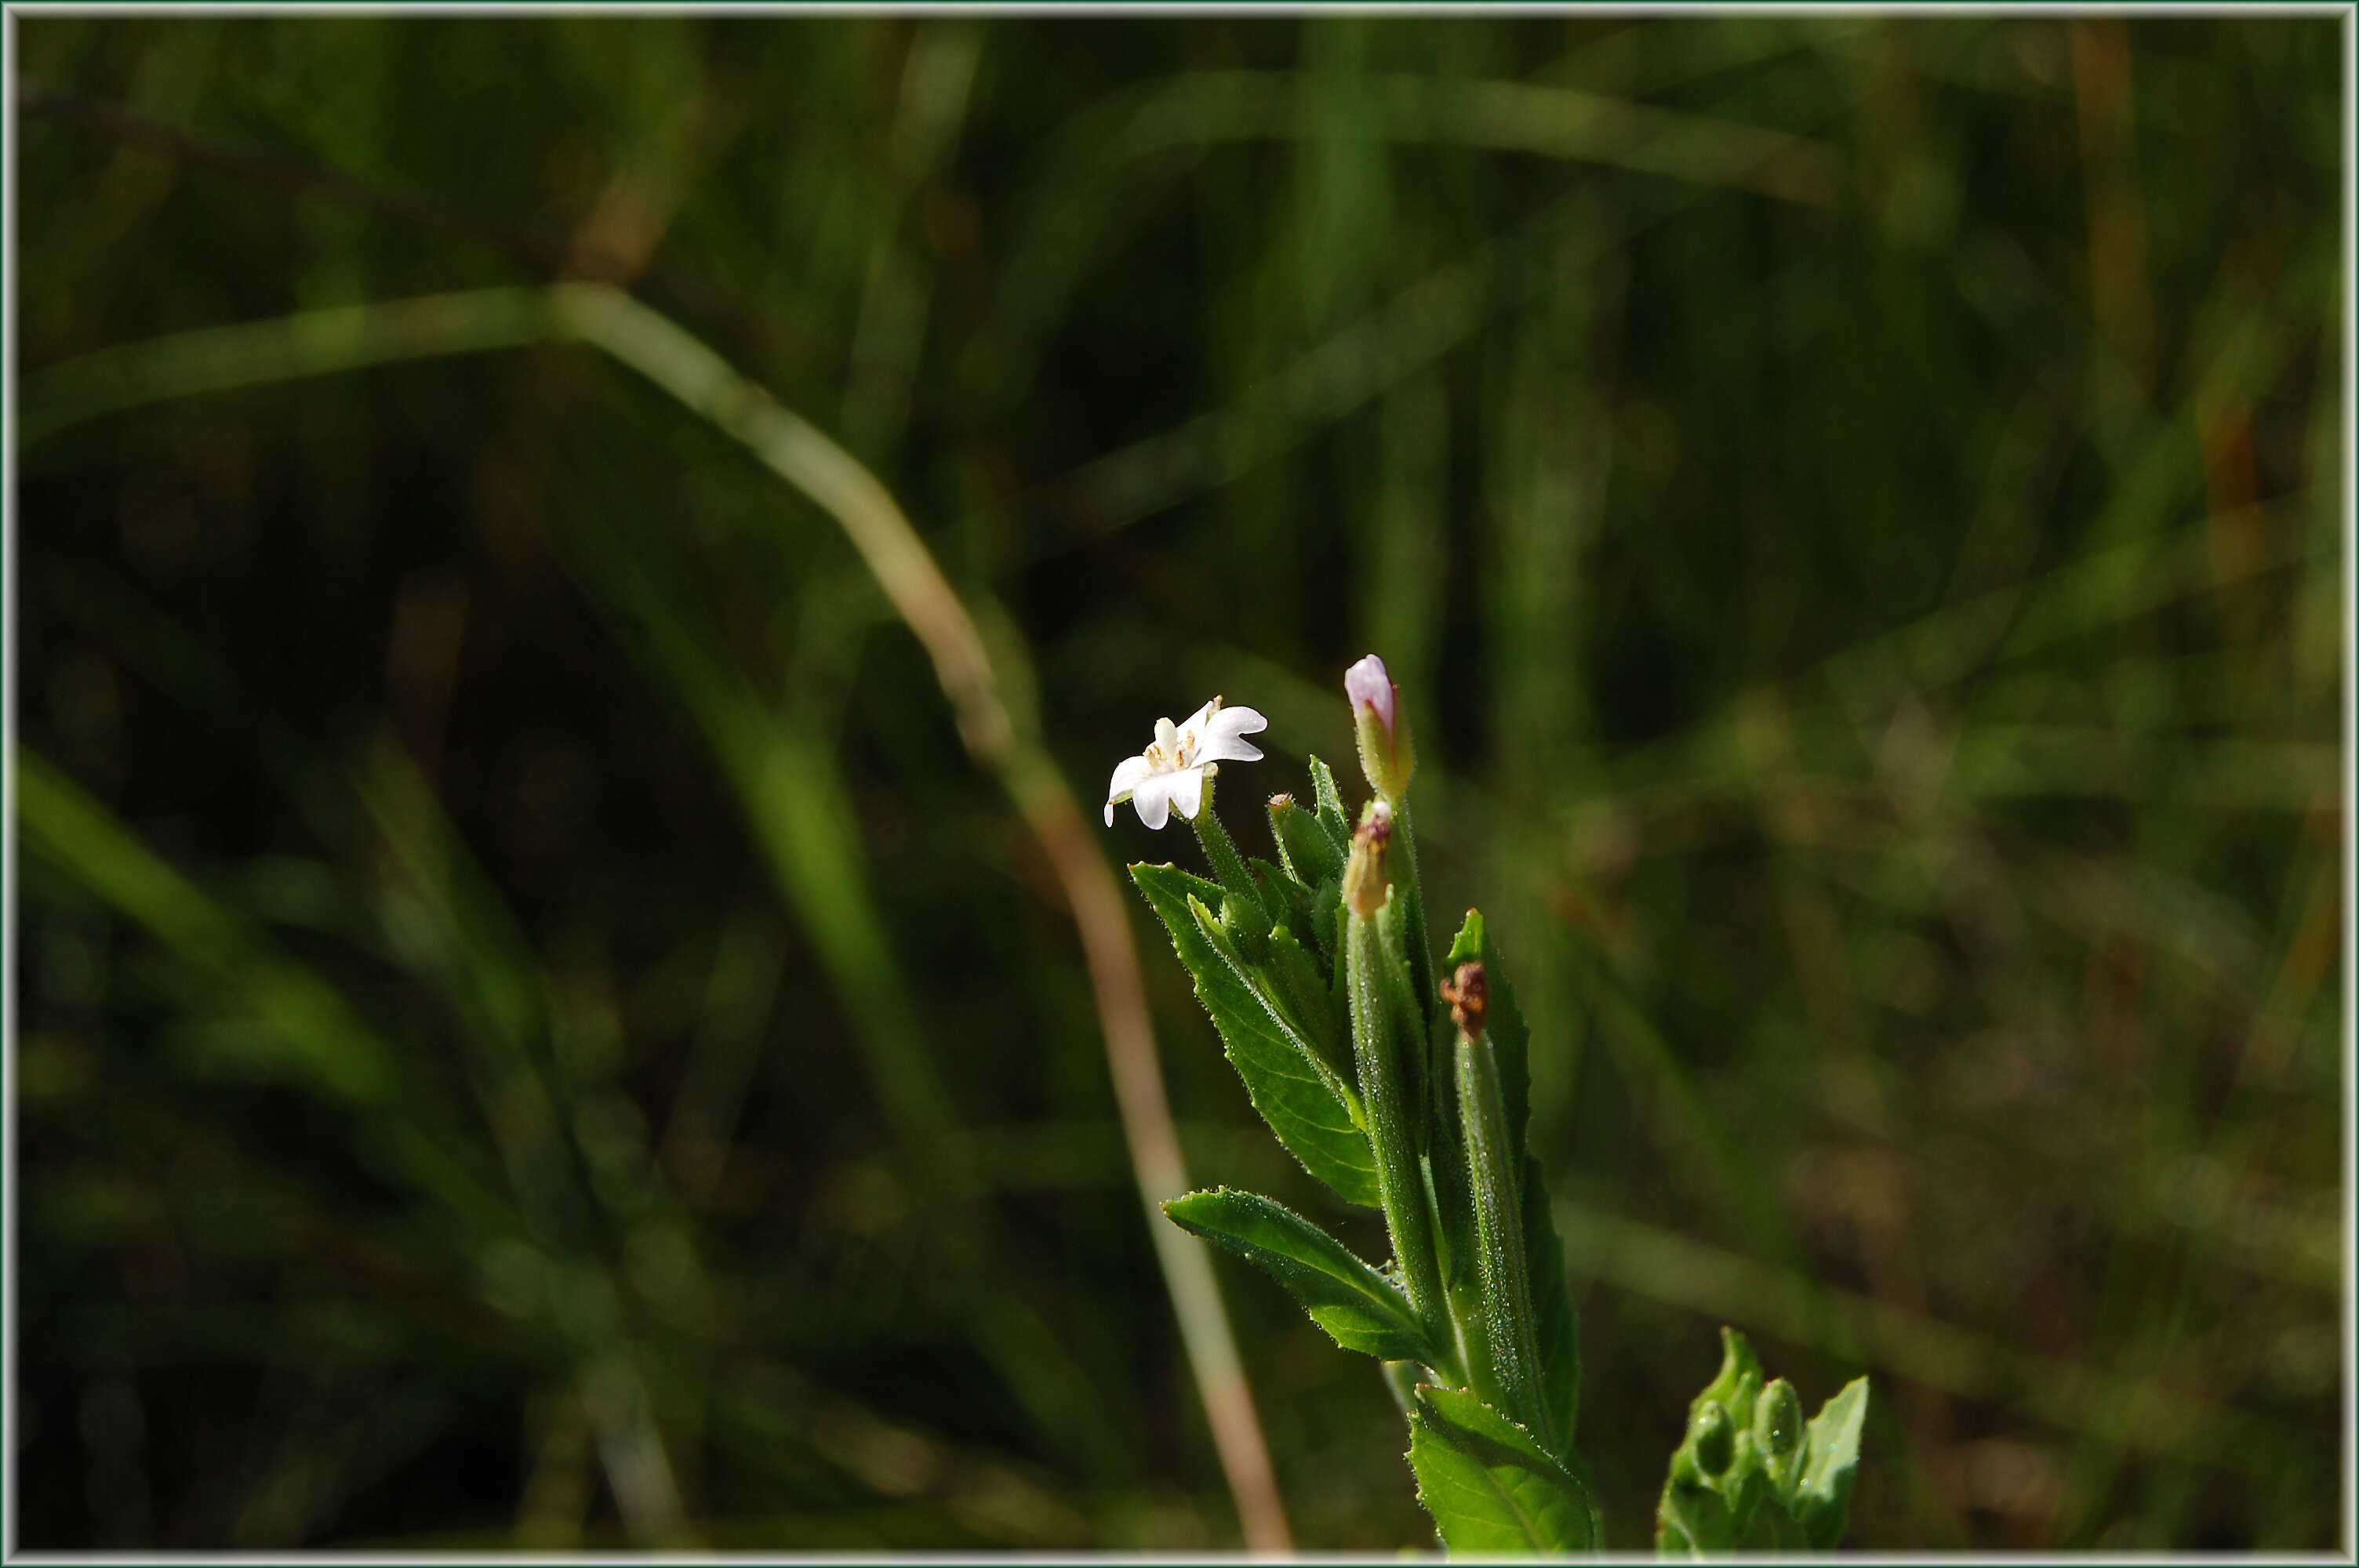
(1555, 1326)
(1759, 1501)
(1314, 1114)
(1332, 814)
(1359, 1308)
(1489, 1484)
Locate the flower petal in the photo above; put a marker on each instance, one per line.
(1187, 791)
(1127, 774)
(1223, 738)
(1152, 799)
(1369, 684)
(1198, 719)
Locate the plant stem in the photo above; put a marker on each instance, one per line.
(1228, 867)
(1499, 1240)
(1433, 1031)
(1398, 1187)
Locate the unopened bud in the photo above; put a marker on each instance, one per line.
(1365, 885)
(1715, 1438)
(1386, 754)
(1777, 1418)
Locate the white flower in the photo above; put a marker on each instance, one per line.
(1172, 769)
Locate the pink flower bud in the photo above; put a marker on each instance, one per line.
(1386, 754)
(1368, 684)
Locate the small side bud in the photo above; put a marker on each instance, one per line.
(1386, 754)
(1366, 882)
(1777, 1418)
(1469, 997)
(1715, 1438)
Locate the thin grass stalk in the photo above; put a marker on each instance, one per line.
(358, 337)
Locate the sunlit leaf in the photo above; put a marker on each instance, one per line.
(1314, 1113)
(1351, 1300)
(1489, 1484)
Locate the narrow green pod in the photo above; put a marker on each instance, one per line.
(1499, 1235)
(1376, 1049)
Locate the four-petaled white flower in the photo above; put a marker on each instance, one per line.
(1172, 769)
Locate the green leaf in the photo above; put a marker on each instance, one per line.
(1297, 980)
(1554, 1325)
(1822, 1495)
(1312, 1111)
(1326, 922)
(1290, 901)
(1356, 1306)
(1311, 853)
(1738, 1381)
(1489, 1484)
(1332, 814)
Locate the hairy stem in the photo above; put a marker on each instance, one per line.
(1228, 867)
(1399, 1187)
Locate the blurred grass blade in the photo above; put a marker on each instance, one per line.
(309, 1032)
(324, 341)
(285, 348)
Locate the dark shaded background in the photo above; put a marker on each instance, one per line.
(1853, 503)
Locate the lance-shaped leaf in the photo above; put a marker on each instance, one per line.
(1292, 976)
(1554, 1325)
(1272, 979)
(1822, 1495)
(1489, 1484)
(1359, 1307)
(1332, 814)
(1287, 900)
(1303, 844)
(1314, 1114)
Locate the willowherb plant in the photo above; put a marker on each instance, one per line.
(1401, 1084)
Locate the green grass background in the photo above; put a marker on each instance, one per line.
(1855, 506)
